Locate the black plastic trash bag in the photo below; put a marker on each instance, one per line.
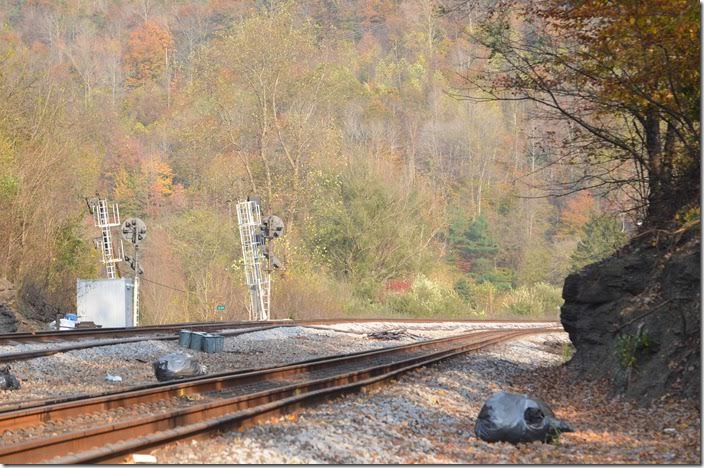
(508, 417)
(7, 380)
(177, 366)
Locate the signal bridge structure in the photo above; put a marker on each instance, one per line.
(106, 217)
(259, 262)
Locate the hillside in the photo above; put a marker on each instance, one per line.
(447, 159)
(346, 122)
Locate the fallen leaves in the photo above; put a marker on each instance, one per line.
(610, 430)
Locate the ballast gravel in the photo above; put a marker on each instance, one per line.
(84, 371)
(428, 417)
(61, 345)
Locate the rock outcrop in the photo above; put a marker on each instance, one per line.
(635, 317)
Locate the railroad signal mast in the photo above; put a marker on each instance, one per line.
(106, 216)
(134, 231)
(259, 262)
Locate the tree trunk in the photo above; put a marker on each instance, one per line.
(658, 208)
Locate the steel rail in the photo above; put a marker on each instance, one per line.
(248, 327)
(25, 355)
(111, 441)
(61, 408)
(8, 407)
(116, 332)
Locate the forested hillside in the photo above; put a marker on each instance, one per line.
(368, 126)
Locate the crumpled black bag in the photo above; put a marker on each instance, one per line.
(508, 417)
(177, 366)
(7, 380)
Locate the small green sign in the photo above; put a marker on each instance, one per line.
(220, 307)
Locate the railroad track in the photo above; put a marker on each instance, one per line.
(106, 428)
(113, 336)
(24, 355)
(118, 332)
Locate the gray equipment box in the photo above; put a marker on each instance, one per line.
(196, 343)
(184, 338)
(213, 343)
(106, 302)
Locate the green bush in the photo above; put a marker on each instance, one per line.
(427, 298)
(628, 345)
(364, 227)
(568, 350)
(466, 298)
(549, 296)
(484, 297)
(464, 290)
(520, 302)
(539, 300)
(309, 296)
(502, 278)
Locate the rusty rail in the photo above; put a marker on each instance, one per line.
(158, 334)
(118, 332)
(25, 355)
(269, 391)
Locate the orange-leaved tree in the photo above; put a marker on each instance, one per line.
(147, 54)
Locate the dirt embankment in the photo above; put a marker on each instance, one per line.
(8, 318)
(635, 317)
(11, 319)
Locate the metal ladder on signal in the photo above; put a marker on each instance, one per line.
(103, 221)
(259, 282)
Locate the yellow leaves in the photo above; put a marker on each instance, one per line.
(160, 176)
(689, 214)
(7, 152)
(122, 189)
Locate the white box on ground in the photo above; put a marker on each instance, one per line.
(107, 302)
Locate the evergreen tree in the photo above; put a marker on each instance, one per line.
(600, 237)
(474, 241)
(475, 250)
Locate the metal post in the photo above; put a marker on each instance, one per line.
(135, 290)
(134, 231)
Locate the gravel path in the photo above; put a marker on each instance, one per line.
(84, 371)
(428, 416)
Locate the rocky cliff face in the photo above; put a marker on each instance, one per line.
(635, 317)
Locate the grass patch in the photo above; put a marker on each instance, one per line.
(568, 350)
(628, 345)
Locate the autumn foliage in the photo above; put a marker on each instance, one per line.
(146, 57)
(624, 76)
(348, 119)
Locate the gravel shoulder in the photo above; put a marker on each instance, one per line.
(427, 416)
